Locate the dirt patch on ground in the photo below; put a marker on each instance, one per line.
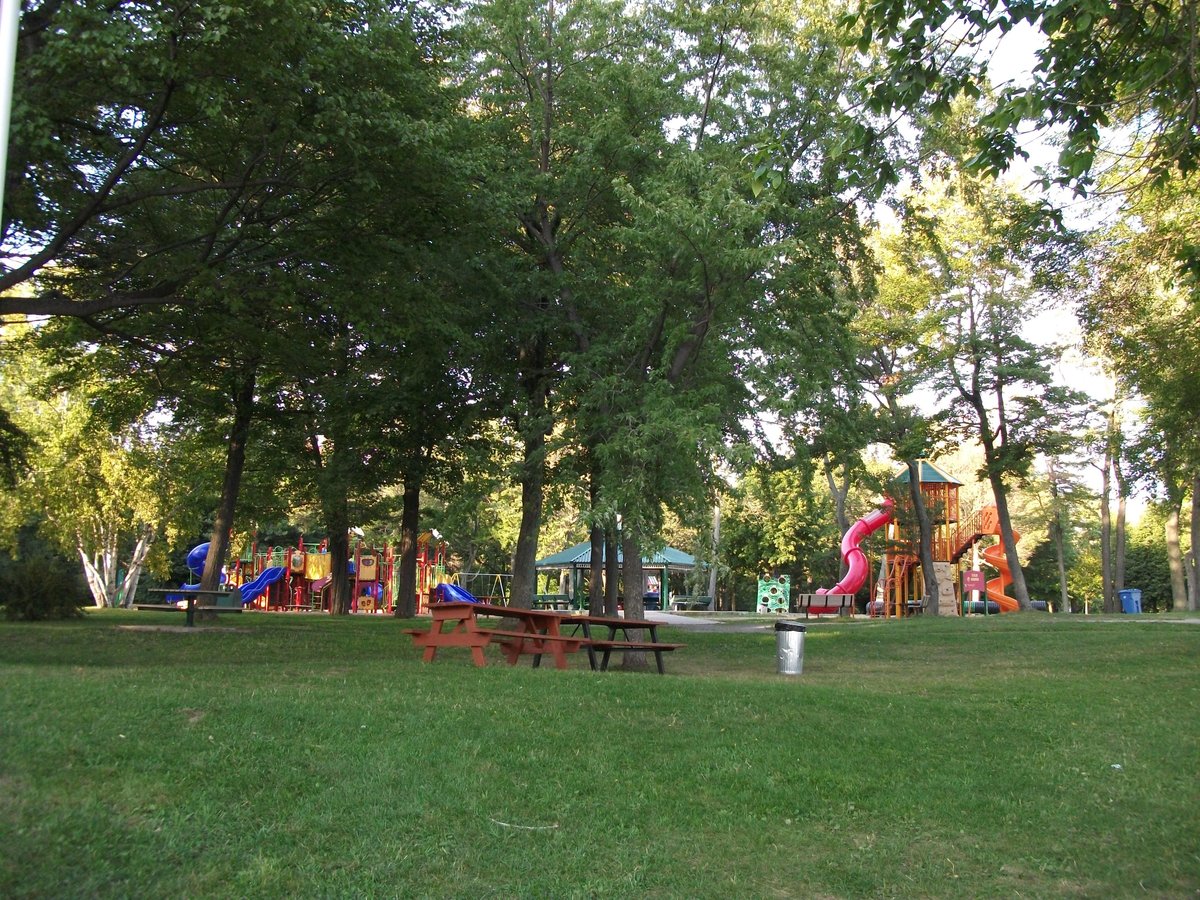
(183, 629)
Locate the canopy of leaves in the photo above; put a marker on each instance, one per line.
(1132, 65)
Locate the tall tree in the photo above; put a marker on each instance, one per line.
(100, 493)
(894, 331)
(567, 92)
(346, 192)
(1139, 313)
(989, 250)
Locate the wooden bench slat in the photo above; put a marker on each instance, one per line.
(530, 635)
(173, 608)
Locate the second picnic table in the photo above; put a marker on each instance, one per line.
(630, 638)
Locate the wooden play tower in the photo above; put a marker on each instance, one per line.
(901, 578)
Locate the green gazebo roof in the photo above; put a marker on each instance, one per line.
(930, 474)
(580, 556)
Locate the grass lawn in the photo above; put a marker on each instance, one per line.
(304, 756)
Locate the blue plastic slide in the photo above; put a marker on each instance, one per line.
(266, 578)
(449, 593)
(196, 557)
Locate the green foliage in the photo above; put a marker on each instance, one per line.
(1099, 65)
(1041, 572)
(95, 483)
(14, 450)
(208, 132)
(985, 264)
(1084, 581)
(780, 522)
(37, 584)
(1146, 560)
(1139, 314)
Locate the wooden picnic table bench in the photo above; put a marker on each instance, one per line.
(456, 624)
(190, 607)
(629, 639)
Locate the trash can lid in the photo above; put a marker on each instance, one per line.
(790, 626)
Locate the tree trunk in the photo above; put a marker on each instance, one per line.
(838, 494)
(1119, 531)
(94, 581)
(1108, 597)
(1179, 593)
(925, 528)
(406, 584)
(1060, 558)
(337, 520)
(138, 559)
(533, 476)
(716, 547)
(596, 544)
(1192, 566)
(109, 568)
(633, 584)
(469, 553)
(612, 576)
(235, 462)
(1058, 535)
(1000, 493)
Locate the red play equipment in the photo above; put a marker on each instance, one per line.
(901, 585)
(857, 567)
(980, 524)
(374, 574)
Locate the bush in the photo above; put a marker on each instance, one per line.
(38, 586)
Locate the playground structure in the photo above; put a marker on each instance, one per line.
(774, 594)
(246, 593)
(298, 578)
(899, 589)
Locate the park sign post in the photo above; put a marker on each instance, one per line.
(974, 582)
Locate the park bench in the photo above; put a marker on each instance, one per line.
(552, 601)
(515, 643)
(697, 602)
(825, 604)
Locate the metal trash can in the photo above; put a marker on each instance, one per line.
(1131, 600)
(789, 647)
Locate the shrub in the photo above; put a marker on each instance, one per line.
(38, 586)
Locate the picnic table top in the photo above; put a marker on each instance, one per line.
(617, 621)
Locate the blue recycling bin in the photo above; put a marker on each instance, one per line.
(1131, 600)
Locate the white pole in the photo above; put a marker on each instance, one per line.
(10, 26)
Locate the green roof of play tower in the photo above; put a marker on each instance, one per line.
(930, 474)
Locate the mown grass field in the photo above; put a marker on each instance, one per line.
(295, 756)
